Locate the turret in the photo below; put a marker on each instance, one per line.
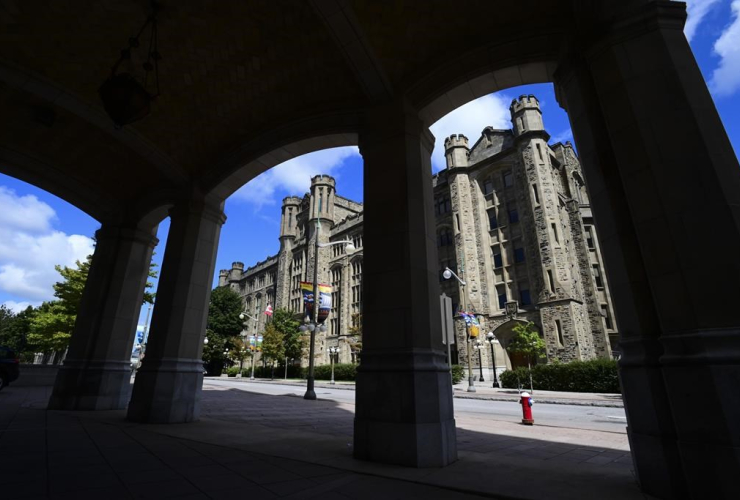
(526, 115)
(456, 151)
(289, 218)
(223, 277)
(237, 269)
(322, 198)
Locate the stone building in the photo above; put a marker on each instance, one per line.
(276, 280)
(513, 220)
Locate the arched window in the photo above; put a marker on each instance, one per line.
(336, 300)
(356, 281)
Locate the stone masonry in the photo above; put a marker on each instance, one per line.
(513, 220)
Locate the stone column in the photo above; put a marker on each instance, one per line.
(168, 384)
(96, 374)
(665, 186)
(404, 409)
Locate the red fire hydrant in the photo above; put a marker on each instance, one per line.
(526, 403)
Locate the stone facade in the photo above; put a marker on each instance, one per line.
(276, 280)
(513, 219)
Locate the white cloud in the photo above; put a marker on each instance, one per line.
(26, 213)
(726, 77)
(470, 119)
(696, 10)
(293, 176)
(562, 136)
(30, 247)
(17, 307)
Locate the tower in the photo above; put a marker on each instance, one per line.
(223, 277)
(289, 231)
(526, 115)
(322, 198)
(456, 151)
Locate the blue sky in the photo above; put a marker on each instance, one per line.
(38, 230)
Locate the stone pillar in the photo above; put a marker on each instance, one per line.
(96, 374)
(404, 411)
(665, 187)
(168, 384)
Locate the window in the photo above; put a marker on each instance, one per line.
(513, 213)
(519, 255)
(589, 237)
(539, 151)
(559, 330)
(535, 194)
(497, 262)
(607, 318)
(551, 280)
(444, 237)
(555, 232)
(336, 299)
(357, 240)
(356, 306)
(597, 276)
(488, 187)
(492, 220)
(442, 205)
(501, 290)
(525, 298)
(508, 179)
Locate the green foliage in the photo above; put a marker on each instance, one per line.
(293, 341)
(153, 273)
(598, 375)
(232, 371)
(223, 313)
(458, 373)
(222, 328)
(273, 349)
(51, 327)
(14, 330)
(527, 341)
(343, 371)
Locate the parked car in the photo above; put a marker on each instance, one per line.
(9, 363)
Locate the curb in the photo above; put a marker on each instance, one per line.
(351, 387)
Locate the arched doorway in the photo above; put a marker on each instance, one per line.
(505, 334)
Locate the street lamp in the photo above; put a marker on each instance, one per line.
(493, 340)
(333, 350)
(226, 359)
(307, 323)
(447, 274)
(479, 348)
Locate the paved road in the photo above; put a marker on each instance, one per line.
(563, 416)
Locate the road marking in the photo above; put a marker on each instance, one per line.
(621, 418)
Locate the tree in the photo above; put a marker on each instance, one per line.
(293, 341)
(223, 327)
(14, 330)
(273, 348)
(51, 328)
(527, 341)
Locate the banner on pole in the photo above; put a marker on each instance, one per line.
(252, 343)
(472, 323)
(259, 343)
(324, 300)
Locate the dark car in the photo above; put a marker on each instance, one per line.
(8, 366)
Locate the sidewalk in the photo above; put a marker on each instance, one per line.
(483, 390)
(262, 446)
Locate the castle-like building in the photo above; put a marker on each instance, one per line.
(513, 220)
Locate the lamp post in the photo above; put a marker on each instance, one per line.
(314, 326)
(479, 348)
(226, 358)
(447, 274)
(333, 350)
(243, 316)
(493, 340)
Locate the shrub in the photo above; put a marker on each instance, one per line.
(345, 371)
(232, 371)
(458, 373)
(597, 375)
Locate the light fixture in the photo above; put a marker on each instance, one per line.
(125, 98)
(447, 274)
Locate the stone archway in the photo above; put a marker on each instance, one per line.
(505, 333)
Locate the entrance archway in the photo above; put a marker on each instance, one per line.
(505, 334)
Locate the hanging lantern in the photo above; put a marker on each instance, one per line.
(124, 97)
